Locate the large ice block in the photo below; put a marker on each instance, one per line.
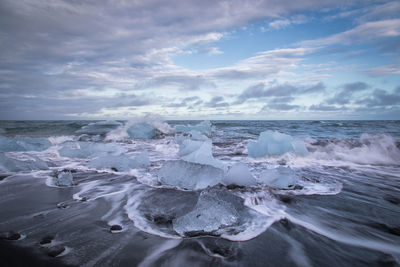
(14, 165)
(23, 144)
(239, 174)
(203, 155)
(120, 162)
(215, 210)
(88, 149)
(272, 143)
(188, 175)
(281, 177)
(142, 130)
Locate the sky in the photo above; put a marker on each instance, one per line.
(187, 59)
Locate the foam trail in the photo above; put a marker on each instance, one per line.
(151, 259)
(350, 240)
(297, 253)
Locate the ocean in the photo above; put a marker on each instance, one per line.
(148, 192)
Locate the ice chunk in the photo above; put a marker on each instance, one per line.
(189, 175)
(65, 178)
(88, 149)
(281, 177)
(202, 127)
(240, 175)
(188, 146)
(23, 144)
(13, 165)
(195, 135)
(141, 160)
(203, 155)
(99, 128)
(120, 162)
(275, 143)
(142, 130)
(214, 211)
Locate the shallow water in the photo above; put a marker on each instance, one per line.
(344, 211)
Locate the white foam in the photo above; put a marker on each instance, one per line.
(121, 133)
(156, 253)
(56, 140)
(358, 241)
(372, 150)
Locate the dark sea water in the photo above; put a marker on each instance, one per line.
(341, 209)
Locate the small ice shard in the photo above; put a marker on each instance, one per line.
(23, 144)
(142, 130)
(239, 175)
(187, 175)
(120, 162)
(202, 127)
(215, 211)
(281, 177)
(203, 155)
(87, 149)
(99, 128)
(274, 143)
(65, 178)
(14, 165)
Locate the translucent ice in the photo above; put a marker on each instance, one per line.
(275, 143)
(202, 127)
(214, 211)
(99, 128)
(195, 135)
(189, 175)
(23, 144)
(281, 177)
(203, 155)
(142, 130)
(87, 149)
(188, 146)
(240, 175)
(65, 178)
(13, 165)
(120, 162)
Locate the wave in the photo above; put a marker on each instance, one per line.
(121, 133)
(381, 149)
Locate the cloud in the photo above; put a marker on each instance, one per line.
(383, 70)
(388, 10)
(279, 24)
(185, 82)
(285, 90)
(186, 102)
(78, 57)
(381, 98)
(283, 23)
(280, 106)
(322, 107)
(217, 102)
(366, 32)
(344, 96)
(263, 64)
